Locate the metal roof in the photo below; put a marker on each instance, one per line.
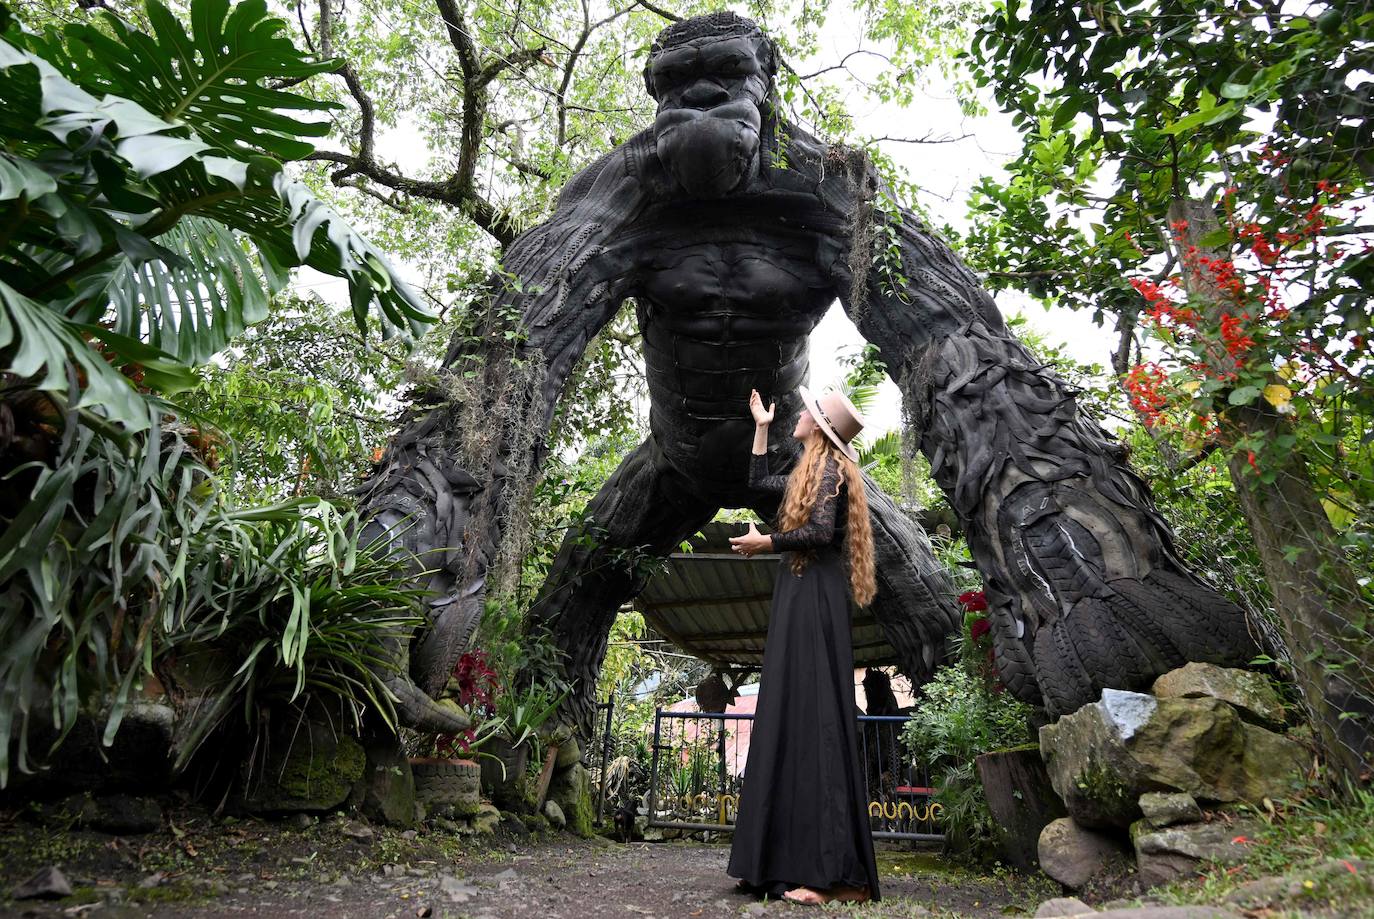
(713, 604)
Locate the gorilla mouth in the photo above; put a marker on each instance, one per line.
(710, 153)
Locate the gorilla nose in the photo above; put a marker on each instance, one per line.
(705, 94)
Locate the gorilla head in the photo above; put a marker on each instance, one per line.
(711, 76)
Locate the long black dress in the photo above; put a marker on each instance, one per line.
(802, 819)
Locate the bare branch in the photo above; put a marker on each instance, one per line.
(927, 139)
(844, 63)
(517, 60)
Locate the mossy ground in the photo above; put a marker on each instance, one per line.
(205, 867)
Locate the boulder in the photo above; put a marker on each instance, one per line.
(486, 819)
(555, 815)
(1062, 906)
(385, 792)
(1317, 882)
(116, 814)
(571, 789)
(1072, 854)
(569, 752)
(138, 760)
(1163, 808)
(48, 884)
(1104, 756)
(1169, 854)
(1251, 694)
(314, 769)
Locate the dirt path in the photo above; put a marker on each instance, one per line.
(342, 870)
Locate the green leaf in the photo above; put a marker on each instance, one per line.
(20, 177)
(1206, 116)
(151, 154)
(38, 342)
(213, 78)
(1216, 239)
(1243, 395)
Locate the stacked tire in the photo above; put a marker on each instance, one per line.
(448, 787)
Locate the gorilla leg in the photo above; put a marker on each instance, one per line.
(642, 512)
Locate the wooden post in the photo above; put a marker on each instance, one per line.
(545, 776)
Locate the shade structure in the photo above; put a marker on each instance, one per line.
(713, 604)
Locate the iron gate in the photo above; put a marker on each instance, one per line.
(698, 769)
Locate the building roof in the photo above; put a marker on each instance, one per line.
(713, 604)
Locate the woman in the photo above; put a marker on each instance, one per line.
(802, 826)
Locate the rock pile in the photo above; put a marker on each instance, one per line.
(1136, 771)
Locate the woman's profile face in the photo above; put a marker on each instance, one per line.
(805, 425)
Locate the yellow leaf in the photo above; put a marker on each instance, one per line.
(1190, 386)
(1276, 394)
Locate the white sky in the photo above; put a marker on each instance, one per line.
(945, 172)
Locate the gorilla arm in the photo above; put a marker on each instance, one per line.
(429, 498)
(1083, 585)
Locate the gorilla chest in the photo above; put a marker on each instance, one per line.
(730, 290)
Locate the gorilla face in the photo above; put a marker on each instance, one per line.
(709, 96)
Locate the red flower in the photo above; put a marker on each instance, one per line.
(979, 627)
(973, 601)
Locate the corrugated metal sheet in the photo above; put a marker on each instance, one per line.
(713, 604)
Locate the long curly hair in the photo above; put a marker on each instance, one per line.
(800, 497)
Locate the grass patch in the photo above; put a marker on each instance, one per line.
(1322, 848)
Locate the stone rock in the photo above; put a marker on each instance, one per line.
(1163, 809)
(1167, 912)
(385, 793)
(457, 889)
(301, 821)
(1104, 756)
(1286, 890)
(1062, 906)
(48, 884)
(1251, 694)
(555, 815)
(312, 769)
(1072, 854)
(486, 820)
(571, 788)
(569, 752)
(1168, 854)
(138, 760)
(512, 824)
(117, 814)
(356, 830)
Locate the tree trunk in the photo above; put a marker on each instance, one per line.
(1322, 616)
(1021, 800)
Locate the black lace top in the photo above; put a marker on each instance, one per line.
(826, 525)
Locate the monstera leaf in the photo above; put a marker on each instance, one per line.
(210, 78)
(135, 229)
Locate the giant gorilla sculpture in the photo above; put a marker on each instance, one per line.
(734, 231)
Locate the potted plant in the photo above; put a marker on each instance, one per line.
(523, 713)
(450, 780)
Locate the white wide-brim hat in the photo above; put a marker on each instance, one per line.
(837, 418)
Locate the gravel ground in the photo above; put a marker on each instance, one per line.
(339, 869)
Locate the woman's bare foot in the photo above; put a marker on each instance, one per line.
(840, 894)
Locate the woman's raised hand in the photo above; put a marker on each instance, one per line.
(761, 415)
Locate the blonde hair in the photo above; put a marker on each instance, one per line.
(800, 497)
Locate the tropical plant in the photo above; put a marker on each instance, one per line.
(962, 713)
(147, 221)
(297, 610)
(1196, 171)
